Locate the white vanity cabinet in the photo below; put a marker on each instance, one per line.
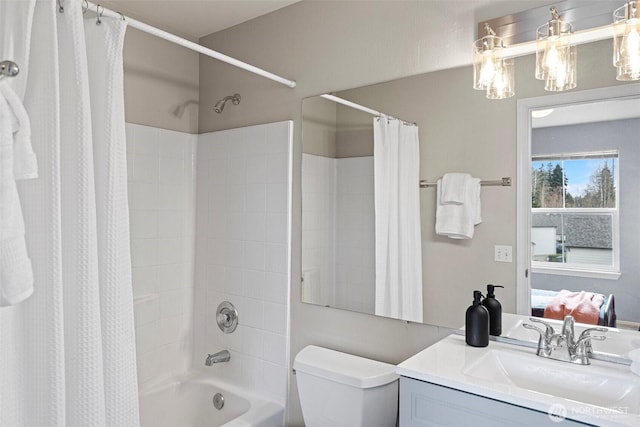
(426, 404)
(452, 384)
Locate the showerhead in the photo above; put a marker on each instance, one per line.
(235, 99)
(179, 110)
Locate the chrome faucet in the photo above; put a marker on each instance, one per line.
(563, 346)
(219, 357)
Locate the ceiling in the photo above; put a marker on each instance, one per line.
(194, 19)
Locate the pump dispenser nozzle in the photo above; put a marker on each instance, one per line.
(495, 310)
(491, 288)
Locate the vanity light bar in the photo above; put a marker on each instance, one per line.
(578, 37)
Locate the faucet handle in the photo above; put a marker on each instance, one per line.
(584, 341)
(587, 332)
(544, 342)
(549, 331)
(583, 347)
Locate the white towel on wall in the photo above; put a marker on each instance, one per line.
(458, 221)
(17, 161)
(25, 165)
(454, 188)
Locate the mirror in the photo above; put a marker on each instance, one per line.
(583, 228)
(460, 131)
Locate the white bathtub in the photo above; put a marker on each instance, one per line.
(187, 401)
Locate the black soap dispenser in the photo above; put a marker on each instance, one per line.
(495, 310)
(476, 326)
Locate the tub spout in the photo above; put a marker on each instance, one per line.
(219, 357)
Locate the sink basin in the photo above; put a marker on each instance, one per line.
(603, 394)
(612, 389)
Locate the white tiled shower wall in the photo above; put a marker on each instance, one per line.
(355, 231)
(318, 228)
(242, 234)
(338, 247)
(161, 203)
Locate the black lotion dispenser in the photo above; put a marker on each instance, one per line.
(476, 326)
(495, 310)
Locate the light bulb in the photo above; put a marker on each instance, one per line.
(488, 68)
(630, 46)
(551, 56)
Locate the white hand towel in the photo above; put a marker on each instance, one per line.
(16, 274)
(458, 221)
(25, 165)
(454, 188)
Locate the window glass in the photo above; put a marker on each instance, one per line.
(574, 211)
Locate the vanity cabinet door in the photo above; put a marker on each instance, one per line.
(426, 404)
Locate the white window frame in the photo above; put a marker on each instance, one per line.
(584, 270)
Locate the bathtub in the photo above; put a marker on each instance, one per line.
(187, 401)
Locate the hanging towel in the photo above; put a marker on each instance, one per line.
(458, 221)
(16, 162)
(454, 187)
(25, 165)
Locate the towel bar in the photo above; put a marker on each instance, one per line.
(504, 182)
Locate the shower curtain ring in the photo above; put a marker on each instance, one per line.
(60, 7)
(99, 12)
(85, 6)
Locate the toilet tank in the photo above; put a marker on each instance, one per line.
(343, 390)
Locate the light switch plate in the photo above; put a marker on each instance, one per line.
(503, 253)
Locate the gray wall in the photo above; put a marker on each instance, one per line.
(624, 136)
(158, 76)
(330, 46)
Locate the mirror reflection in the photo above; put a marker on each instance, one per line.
(459, 131)
(584, 205)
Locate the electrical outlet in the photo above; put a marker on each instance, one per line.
(503, 253)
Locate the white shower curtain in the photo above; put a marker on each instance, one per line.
(67, 354)
(398, 243)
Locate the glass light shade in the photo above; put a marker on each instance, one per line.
(626, 41)
(502, 85)
(487, 60)
(556, 58)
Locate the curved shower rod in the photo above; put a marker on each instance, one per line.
(104, 12)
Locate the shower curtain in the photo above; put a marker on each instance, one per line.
(398, 245)
(67, 353)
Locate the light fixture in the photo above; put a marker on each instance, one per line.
(626, 41)
(491, 71)
(555, 55)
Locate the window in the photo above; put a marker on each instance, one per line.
(574, 214)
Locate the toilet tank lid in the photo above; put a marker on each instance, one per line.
(344, 368)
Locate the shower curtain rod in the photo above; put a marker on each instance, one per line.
(190, 45)
(343, 101)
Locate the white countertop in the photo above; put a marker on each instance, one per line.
(446, 362)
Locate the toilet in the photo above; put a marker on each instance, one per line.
(343, 390)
